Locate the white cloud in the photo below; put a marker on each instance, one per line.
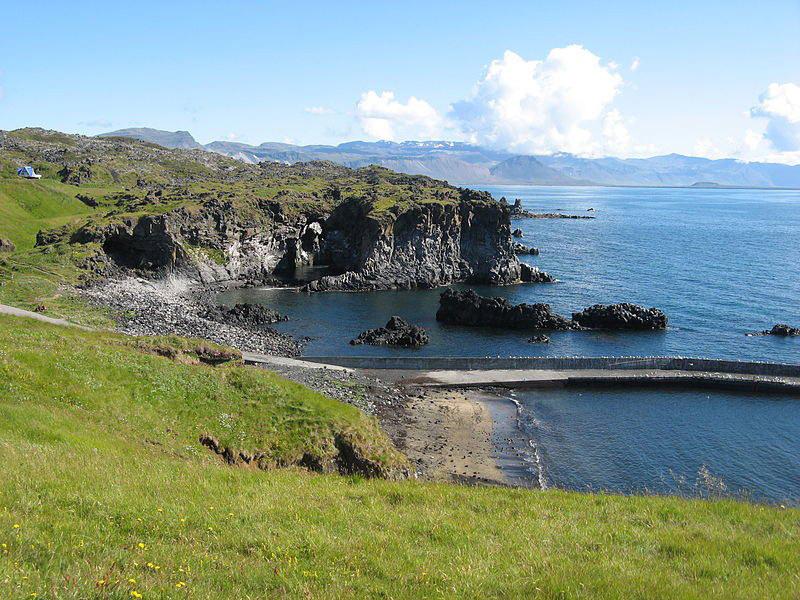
(615, 132)
(706, 148)
(231, 137)
(752, 140)
(561, 103)
(780, 105)
(635, 63)
(383, 117)
(319, 110)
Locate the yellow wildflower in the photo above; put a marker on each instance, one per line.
(180, 584)
(132, 581)
(135, 594)
(16, 525)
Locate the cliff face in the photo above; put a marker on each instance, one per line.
(215, 243)
(426, 245)
(421, 245)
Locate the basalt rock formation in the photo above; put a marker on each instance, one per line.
(783, 330)
(397, 332)
(424, 246)
(620, 316)
(523, 249)
(468, 308)
(535, 275)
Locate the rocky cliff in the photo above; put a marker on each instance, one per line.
(425, 245)
(421, 245)
(204, 216)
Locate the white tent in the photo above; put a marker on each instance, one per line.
(28, 173)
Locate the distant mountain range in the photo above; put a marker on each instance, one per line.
(463, 163)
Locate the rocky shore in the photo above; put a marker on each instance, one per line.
(175, 306)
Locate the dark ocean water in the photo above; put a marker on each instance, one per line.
(662, 441)
(719, 263)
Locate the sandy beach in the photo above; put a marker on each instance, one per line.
(448, 436)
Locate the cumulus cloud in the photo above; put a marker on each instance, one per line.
(615, 132)
(707, 148)
(319, 110)
(383, 117)
(561, 103)
(780, 106)
(635, 63)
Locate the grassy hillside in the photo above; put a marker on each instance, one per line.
(107, 494)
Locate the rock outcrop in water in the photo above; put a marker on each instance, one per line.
(523, 249)
(782, 330)
(468, 308)
(534, 275)
(397, 332)
(517, 212)
(620, 316)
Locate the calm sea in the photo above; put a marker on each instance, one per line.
(719, 263)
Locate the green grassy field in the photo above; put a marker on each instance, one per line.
(106, 493)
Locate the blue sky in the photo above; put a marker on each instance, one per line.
(529, 76)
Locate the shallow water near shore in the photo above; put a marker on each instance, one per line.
(664, 441)
(719, 263)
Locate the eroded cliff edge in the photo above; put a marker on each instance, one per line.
(158, 212)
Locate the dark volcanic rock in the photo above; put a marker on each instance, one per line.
(523, 249)
(396, 333)
(419, 246)
(7, 245)
(75, 174)
(539, 339)
(517, 212)
(534, 275)
(248, 315)
(87, 200)
(782, 329)
(620, 316)
(468, 308)
(517, 233)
